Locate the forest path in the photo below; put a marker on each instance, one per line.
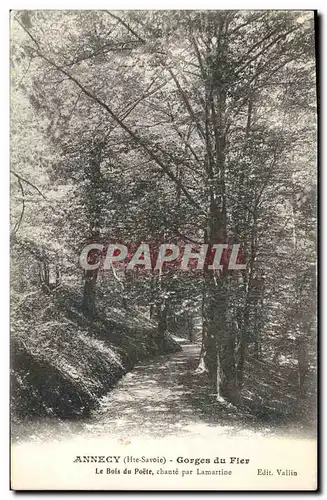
(158, 396)
(162, 396)
(165, 396)
(157, 419)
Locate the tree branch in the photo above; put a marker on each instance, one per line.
(20, 178)
(137, 139)
(262, 51)
(121, 21)
(18, 223)
(187, 104)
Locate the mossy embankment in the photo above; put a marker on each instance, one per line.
(63, 362)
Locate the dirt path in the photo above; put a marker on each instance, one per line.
(159, 397)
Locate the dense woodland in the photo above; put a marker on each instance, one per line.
(167, 127)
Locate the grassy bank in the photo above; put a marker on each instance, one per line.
(62, 363)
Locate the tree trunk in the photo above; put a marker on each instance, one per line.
(93, 200)
(303, 365)
(89, 292)
(218, 352)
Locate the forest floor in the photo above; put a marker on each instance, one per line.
(161, 396)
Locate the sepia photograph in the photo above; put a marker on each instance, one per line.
(163, 248)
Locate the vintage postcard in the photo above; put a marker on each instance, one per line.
(163, 250)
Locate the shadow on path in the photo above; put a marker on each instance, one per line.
(165, 396)
(159, 397)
